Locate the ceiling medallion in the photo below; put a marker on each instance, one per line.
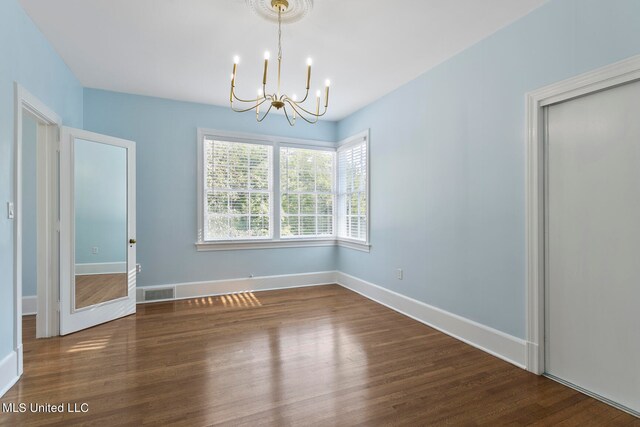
(296, 10)
(290, 105)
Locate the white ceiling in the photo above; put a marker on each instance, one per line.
(183, 49)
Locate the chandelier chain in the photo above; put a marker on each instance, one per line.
(279, 34)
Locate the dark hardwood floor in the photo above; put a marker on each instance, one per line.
(308, 356)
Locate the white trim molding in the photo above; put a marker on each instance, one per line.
(283, 243)
(489, 340)
(9, 372)
(353, 244)
(262, 244)
(609, 76)
(249, 284)
(101, 268)
(48, 133)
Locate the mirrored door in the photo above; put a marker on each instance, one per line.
(97, 230)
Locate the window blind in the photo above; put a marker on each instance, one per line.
(307, 192)
(352, 191)
(238, 190)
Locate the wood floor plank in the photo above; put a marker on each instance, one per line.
(308, 356)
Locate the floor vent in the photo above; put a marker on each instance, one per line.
(159, 294)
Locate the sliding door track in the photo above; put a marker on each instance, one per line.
(594, 395)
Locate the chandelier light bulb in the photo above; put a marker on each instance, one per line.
(267, 55)
(327, 83)
(309, 62)
(294, 97)
(236, 59)
(318, 93)
(260, 92)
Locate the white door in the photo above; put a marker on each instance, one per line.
(97, 229)
(593, 244)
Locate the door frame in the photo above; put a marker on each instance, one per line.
(49, 123)
(616, 74)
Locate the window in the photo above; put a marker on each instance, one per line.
(238, 190)
(257, 191)
(353, 190)
(307, 192)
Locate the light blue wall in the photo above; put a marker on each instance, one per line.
(29, 195)
(447, 160)
(165, 136)
(456, 157)
(27, 57)
(100, 177)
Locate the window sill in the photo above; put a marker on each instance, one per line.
(354, 244)
(273, 244)
(261, 244)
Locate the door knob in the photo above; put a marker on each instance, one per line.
(132, 241)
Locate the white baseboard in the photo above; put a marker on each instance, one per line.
(262, 283)
(20, 355)
(29, 305)
(8, 372)
(492, 341)
(101, 268)
(533, 359)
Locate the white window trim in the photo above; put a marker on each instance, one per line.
(275, 241)
(345, 143)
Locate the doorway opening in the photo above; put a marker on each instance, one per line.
(36, 215)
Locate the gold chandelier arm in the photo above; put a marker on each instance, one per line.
(297, 105)
(265, 114)
(233, 94)
(287, 116)
(306, 95)
(300, 114)
(250, 108)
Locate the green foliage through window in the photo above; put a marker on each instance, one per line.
(238, 190)
(306, 192)
(352, 191)
(322, 193)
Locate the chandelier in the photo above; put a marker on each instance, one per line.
(291, 106)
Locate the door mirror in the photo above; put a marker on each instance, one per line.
(100, 216)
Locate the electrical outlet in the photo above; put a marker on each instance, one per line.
(94, 250)
(138, 268)
(399, 274)
(11, 211)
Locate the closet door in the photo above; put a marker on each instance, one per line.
(593, 244)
